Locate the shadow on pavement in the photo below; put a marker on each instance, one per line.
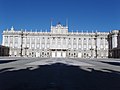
(58, 77)
(6, 61)
(112, 63)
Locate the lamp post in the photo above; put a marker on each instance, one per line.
(26, 46)
(91, 52)
(26, 50)
(21, 44)
(96, 35)
(91, 49)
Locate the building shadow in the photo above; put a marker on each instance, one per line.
(112, 63)
(6, 61)
(58, 76)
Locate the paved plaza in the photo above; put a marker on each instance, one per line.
(18, 73)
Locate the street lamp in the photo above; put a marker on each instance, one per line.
(91, 52)
(21, 43)
(96, 35)
(26, 50)
(26, 46)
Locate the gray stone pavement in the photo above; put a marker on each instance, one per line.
(25, 62)
(18, 73)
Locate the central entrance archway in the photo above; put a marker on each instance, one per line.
(58, 53)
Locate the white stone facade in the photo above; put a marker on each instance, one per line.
(59, 42)
(114, 44)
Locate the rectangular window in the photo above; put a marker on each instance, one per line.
(89, 46)
(53, 41)
(43, 46)
(59, 41)
(28, 45)
(33, 40)
(6, 39)
(69, 46)
(79, 46)
(33, 45)
(28, 40)
(106, 46)
(43, 40)
(16, 39)
(37, 40)
(101, 46)
(74, 46)
(11, 44)
(16, 45)
(48, 40)
(85, 46)
(11, 39)
(48, 46)
(64, 41)
(38, 45)
(24, 40)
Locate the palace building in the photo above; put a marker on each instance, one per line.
(114, 44)
(59, 42)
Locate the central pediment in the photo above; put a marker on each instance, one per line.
(59, 29)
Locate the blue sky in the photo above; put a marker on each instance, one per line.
(101, 15)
